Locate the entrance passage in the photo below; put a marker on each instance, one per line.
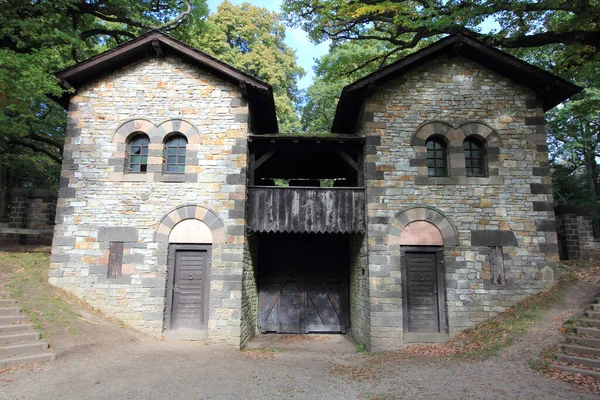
(189, 286)
(423, 291)
(303, 283)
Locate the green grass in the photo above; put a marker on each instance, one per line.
(489, 337)
(48, 308)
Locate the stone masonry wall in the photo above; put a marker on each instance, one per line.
(575, 228)
(514, 198)
(249, 309)
(31, 209)
(359, 290)
(100, 203)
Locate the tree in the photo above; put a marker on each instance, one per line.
(345, 63)
(405, 23)
(252, 39)
(38, 37)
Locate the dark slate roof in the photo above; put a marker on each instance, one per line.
(156, 43)
(551, 89)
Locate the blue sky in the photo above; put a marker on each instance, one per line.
(297, 39)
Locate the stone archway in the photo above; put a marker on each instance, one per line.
(189, 233)
(420, 234)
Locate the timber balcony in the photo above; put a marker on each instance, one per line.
(321, 185)
(306, 209)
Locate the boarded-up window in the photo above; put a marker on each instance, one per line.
(115, 259)
(497, 265)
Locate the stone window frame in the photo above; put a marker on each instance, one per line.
(157, 134)
(456, 166)
(169, 139)
(130, 139)
(481, 147)
(444, 144)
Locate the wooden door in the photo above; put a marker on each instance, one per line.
(303, 285)
(188, 287)
(423, 291)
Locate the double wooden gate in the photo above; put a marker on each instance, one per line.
(303, 284)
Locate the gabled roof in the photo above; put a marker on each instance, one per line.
(156, 43)
(551, 89)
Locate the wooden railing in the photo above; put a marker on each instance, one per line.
(306, 209)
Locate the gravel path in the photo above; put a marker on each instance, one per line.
(105, 362)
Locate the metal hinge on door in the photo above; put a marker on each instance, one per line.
(176, 288)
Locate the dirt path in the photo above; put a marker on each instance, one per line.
(104, 361)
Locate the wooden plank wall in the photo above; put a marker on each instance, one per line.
(306, 210)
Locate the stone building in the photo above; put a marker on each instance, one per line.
(428, 211)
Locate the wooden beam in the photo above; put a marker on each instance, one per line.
(348, 159)
(158, 49)
(263, 158)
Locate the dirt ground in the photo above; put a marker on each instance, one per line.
(104, 361)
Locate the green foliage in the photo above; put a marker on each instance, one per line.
(404, 24)
(251, 39)
(361, 348)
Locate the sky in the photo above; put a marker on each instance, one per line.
(297, 39)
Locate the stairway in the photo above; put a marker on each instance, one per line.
(19, 342)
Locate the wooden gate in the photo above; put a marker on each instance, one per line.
(423, 290)
(187, 298)
(303, 284)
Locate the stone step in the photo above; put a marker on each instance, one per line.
(596, 307)
(15, 350)
(13, 319)
(589, 342)
(574, 370)
(28, 359)
(590, 322)
(7, 302)
(570, 348)
(594, 332)
(8, 311)
(18, 338)
(588, 362)
(4, 295)
(16, 328)
(593, 314)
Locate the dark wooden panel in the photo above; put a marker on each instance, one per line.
(306, 210)
(115, 259)
(421, 292)
(303, 283)
(189, 289)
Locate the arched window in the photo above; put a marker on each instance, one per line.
(137, 153)
(175, 154)
(474, 156)
(436, 157)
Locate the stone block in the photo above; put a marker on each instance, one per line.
(117, 234)
(493, 238)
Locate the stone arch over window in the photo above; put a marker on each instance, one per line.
(426, 219)
(456, 165)
(191, 212)
(490, 141)
(157, 134)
